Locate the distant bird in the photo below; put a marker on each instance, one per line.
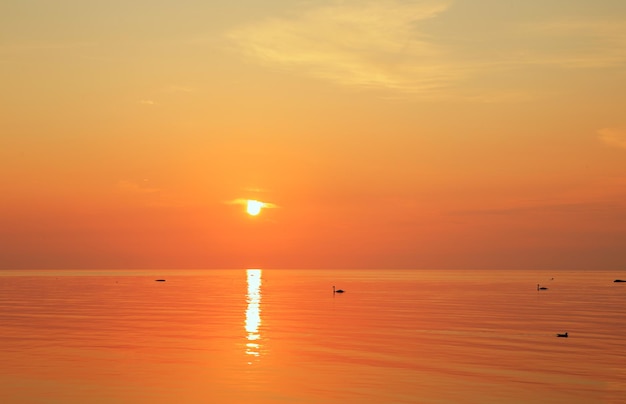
(562, 335)
(159, 280)
(338, 290)
(619, 280)
(541, 287)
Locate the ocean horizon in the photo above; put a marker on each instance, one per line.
(279, 335)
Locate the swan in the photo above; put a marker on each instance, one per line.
(541, 287)
(338, 290)
(562, 335)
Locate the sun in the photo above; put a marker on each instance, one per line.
(253, 207)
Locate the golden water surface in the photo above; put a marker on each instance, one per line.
(270, 336)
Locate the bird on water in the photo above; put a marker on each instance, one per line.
(337, 290)
(541, 287)
(562, 335)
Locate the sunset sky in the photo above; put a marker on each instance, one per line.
(383, 134)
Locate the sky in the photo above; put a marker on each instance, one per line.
(386, 134)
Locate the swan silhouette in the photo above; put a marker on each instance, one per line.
(338, 290)
(541, 287)
(562, 335)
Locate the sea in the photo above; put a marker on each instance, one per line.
(283, 336)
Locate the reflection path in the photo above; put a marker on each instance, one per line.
(253, 312)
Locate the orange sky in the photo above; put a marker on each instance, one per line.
(387, 134)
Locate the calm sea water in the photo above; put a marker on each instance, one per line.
(282, 336)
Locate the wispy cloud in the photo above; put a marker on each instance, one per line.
(367, 44)
(244, 202)
(179, 89)
(132, 187)
(547, 207)
(43, 45)
(604, 195)
(387, 44)
(615, 137)
(166, 93)
(578, 43)
(143, 193)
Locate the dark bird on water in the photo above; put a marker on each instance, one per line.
(619, 280)
(562, 335)
(159, 280)
(541, 287)
(338, 290)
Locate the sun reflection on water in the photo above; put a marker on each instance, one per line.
(253, 312)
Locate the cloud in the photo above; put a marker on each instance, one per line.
(179, 89)
(142, 193)
(165, 93)
(615, 137)
(366, 44)
(244, 202)
(550, 208)
(44, 45)
(604, 196)
(132, 187)
(386, 44)
(579, 43)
